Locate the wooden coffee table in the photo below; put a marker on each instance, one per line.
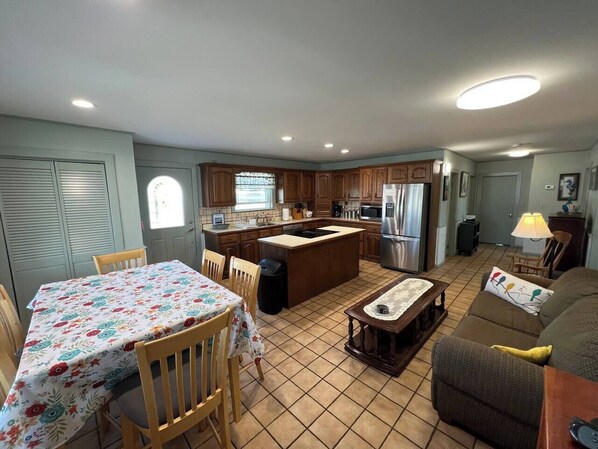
(390, 345)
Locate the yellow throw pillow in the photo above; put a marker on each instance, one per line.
(538, 355)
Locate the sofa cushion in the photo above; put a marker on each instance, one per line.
(492, 308)
(574, 339)
(526, 295)
(573, 285)
(488, 333)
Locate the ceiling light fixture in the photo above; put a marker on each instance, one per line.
(81, 103)
(518, 153)
(344, 151)
(328, 145)
(286, 138)
(498, 92)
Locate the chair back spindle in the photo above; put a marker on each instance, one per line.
(122, 260)
(244, 281)
(212, 265)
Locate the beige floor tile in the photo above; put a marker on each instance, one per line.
(385, 409)
(340, 379)
(304, 338)
(275, 356)
(397, 393)
(422, 408)
(278, 338)
(352, 366)
(288, 393)
(419, 367)
(305, 356)
(374, 379)
(263, 440)
(409, 379)
(360, 393)
(352, 441)
(272, 380)
(328, 429)
(267, 410)
(414, 428)
(305, 379)
(335, 356)
(307, 440)
(319, 347)
(397, 441)
(481, 445)
(371, 429)
(306, 410)
(324, 393)
(458, 434)
(289, 367)
(245, 430)
(252, 394)
(442, 441)
(285, 429)
(290, 346)
(321, 366)
(345, 410)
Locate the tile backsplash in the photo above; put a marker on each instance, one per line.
(205, 213)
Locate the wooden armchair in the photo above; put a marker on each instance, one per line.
(540, 265)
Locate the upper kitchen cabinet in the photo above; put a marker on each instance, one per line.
(379, 175)
(420, 172)
(398, 174)
(323, 201)
(290, 190)
(307, 186)
(217, 185)
(365, 175)
(352, 181)
(339, 186)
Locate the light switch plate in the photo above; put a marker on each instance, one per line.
(549, 187)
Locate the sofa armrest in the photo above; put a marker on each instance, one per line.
(502, 381)
(538, 280)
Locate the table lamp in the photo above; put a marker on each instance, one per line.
(532, 226)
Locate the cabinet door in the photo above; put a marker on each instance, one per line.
(307, 186)
(366, 184)
(379, 175)
(250, 251)
(353, 180)
(420, 172)
(339, 186)
(229, 250)
(398, 174)
(292, 186)
(323, 187)
(218, 186)
(372, 246)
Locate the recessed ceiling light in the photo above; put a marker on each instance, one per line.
(344, 151)
(328, 145)
(518, 153)
(287, 138)
(81, 103)
(498, 92)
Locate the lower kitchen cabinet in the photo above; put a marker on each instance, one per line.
(372, 246)
(250, 251)
(229, 250)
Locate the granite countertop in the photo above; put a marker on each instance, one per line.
(294, 242)
(238, 227)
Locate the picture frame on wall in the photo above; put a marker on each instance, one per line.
(568, 186)
(464, 184)
(445, 187)
(594, 178)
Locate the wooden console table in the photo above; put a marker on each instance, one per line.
(565, 396)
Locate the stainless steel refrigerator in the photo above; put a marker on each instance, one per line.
(404, 224)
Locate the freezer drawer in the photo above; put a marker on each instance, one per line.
(401, 253)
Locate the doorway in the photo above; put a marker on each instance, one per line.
(497, 205)
(167, 214)
(452, 220)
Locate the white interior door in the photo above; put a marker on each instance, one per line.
(167, 212)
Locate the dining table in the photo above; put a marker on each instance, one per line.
(81, 341)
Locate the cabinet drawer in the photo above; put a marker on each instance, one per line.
(372, 229)
(265, 233)
(228, 238)
(252, 235)
(277, 231)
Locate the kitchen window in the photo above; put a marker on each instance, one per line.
(255, 191)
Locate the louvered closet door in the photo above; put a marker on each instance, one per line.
(32, 222)
(87, 217)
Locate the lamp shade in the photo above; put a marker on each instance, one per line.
(532, 226)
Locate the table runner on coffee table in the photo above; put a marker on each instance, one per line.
(398, 299)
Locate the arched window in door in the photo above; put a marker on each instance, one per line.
(165, 202)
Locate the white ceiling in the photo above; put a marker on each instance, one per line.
(379, 77)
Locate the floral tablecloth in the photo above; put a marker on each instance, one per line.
(80, 343)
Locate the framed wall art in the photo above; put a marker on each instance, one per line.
(446, 186)
(464, 184)
(568, 187)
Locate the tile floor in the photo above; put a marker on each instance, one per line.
(315, 396)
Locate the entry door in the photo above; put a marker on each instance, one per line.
(498, 208)
(166, 204)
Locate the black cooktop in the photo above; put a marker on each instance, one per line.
(312, 233)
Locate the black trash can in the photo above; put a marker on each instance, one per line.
(272, 291)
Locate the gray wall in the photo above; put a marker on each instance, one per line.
(21, 137)
(592, 214)
(423, 155)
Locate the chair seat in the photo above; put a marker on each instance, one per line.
(129, 392)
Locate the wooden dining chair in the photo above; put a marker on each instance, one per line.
(540, 265)
(8, 372)
(122, 260)
(13, 336)
(178, 387)
(212, 265)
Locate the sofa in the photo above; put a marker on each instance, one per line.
(498, 396)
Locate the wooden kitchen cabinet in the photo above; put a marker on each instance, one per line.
(229, 250)
(307, 186)
(339, 184)
(217, 186)
(353, 183)
(365, 175)
(398, 174)
(250, 251)
(291, 187)
(372, 246)
(323, 195)
(421, 172)
(380, 175)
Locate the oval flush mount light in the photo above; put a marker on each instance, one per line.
(344, 151)
(328, 145)
(286, 138)
(81, 103)
(498, 92)
(518, 153)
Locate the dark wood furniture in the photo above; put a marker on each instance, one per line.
(565, 396)
(316, 267)
(575, 253)
(323, 202)
(390, 345)
(218, 185)
(468, 237)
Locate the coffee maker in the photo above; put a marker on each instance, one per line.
(337, 210)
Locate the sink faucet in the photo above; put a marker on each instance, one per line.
(257, 219)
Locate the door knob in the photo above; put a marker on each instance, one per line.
(510, 215)
(191, 230)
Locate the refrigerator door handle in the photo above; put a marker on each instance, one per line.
(392, 238)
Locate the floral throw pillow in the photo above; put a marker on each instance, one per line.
(520, 293)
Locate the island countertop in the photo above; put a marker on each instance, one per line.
(294, 242)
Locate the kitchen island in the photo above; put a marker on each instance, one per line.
(315, 265)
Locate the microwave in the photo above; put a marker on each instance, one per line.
(370, 212)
